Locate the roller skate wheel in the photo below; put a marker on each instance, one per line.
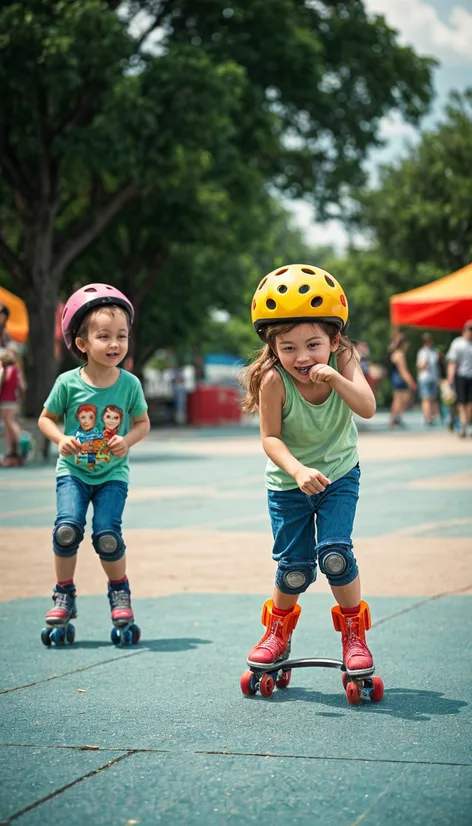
(70, 634)
(127, 637)
(377, 691)
(135, 633)
(284, 680)
(345, 679)
(46, 636)
(248, 683)
(353, 694)
(266, 685)
(115, 636)
(58, 636)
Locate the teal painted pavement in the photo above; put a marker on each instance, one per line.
(161, 733)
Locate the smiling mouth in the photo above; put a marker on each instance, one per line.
(304, 370)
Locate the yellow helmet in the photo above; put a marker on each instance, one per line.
(298, 292)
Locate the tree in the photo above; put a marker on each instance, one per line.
(287, 93)
(419, 221)
(86, 125)
(420, 214)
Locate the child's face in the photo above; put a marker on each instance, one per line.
(107, 339)
(86, 420)
(111, 419)
(302, 347)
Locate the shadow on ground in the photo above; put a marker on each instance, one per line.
(403, 703)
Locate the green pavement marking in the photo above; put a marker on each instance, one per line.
(193, 750)
(198, 789)
(387, 502)
(31, 775)
(184, 691)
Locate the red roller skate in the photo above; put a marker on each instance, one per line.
(270, 653)
(124, 632)
(59, 628)
(358, 663)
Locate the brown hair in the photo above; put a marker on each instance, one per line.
(114, 409)
(266, 358)
(9, 357)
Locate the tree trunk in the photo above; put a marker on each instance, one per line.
(40, 362)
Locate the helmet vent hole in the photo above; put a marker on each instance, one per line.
(270, 304)
(282, 288)
(262, 283)
(304, 289)
(281, 272)
(316, 301)
(90, 290)
(343, 300)
(329, 281)
(253, 305)
(308, 272)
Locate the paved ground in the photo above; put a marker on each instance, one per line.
(161, 733)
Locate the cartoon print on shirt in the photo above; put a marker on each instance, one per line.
(94, 439)
(112, 418)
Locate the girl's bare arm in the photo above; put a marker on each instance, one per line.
(352, 385)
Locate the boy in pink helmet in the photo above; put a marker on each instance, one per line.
(95, 324)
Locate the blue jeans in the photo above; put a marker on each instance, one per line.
(428, 388)
(73, 498)
(297, 549)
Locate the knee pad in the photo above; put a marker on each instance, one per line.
(109, 545)
(66, 538)
(338, 563)
(295, 576)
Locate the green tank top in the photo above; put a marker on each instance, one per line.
(322, 436)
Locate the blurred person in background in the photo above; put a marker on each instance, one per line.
(364, 359)
(427, 363)
(459, 375)
(401, 379)
(179, 392)
(12, 387)
(6, 341)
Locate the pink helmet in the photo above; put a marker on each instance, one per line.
(83, 300)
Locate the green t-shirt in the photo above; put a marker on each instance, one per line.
(93, 415)
(323, 436)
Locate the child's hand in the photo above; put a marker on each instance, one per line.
(69, 445)
(311, 481)
(118, 446)
(322, 372)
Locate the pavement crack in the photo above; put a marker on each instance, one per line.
(419, 604)
(228, 753)
(58, 791)
(75, 671)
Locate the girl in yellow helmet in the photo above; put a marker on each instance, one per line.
(306, 384)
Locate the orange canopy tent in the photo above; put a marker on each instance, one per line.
(17, 324)
(444, 304)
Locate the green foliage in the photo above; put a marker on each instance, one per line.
(418, 219)
(174, 149)
(420, 213)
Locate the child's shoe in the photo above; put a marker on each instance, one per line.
(119, 595)
(275, 644)
(65, 607)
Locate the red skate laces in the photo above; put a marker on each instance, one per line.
(356, 654)
(275, 642)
